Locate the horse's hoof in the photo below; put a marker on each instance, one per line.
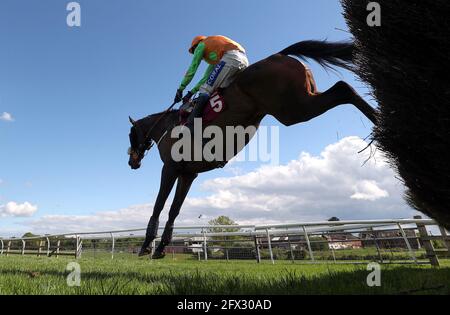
(158, 255)
(144, 252)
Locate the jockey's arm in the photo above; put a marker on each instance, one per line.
(204, 79)
(198, 56)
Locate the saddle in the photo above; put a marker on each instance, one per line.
(213, 108)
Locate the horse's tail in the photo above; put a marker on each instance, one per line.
(327, 54)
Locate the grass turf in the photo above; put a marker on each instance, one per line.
(130, 275)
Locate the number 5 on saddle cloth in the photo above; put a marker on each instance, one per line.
(213, 108)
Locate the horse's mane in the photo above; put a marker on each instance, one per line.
(163, 112)
(156, 116)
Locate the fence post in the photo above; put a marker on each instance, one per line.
(375, 240)
(48, 246)
(408, 245)
(269, 244)
(79, 244)
(328, 237)
(23, 247)
(58, 243)
(1, 251)
(112, 245)
(311, 255)
(153, 248)
(334, 254)
(290, 248)
(205, 249)
(8, 248)
(258, 253)
(40, 248)
(446, 239)
(429, 249)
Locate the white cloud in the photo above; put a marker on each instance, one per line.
(334, 183)
(14, 209)
(6, 117)
(368, 190)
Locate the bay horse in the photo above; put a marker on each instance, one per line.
(280, 85)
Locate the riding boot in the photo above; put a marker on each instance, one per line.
(166, 238)
(150, 235)
(197, 112)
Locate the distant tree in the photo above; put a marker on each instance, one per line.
(31, 243)
(227, 240)
(222, 220)
(29, 234)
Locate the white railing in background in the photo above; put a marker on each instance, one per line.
(257, 232)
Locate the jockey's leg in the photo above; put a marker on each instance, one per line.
(223, 74)
(217, 76)
(237, 62)
(197, 112)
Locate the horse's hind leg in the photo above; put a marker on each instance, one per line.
(360, 103)
(316, 104)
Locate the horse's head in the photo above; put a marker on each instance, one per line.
(138, 145)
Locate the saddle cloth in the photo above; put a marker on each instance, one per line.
(213, 108)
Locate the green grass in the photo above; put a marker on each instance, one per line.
(129, 275)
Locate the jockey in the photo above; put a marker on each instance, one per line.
(226, 59)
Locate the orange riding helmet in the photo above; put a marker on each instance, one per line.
(195, 42)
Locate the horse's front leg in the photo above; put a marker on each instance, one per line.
(168, 178)
(183, 186)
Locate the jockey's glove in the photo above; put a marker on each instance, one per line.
(187, 97)
(178, 96)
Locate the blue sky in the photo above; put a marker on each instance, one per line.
(70, 91)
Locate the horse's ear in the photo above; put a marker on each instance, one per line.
(132, 121)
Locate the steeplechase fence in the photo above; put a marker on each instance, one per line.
(384, 241)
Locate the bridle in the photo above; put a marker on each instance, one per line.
(148, 143)
(143, 146)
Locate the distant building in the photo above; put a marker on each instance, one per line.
(343, 241)
(389, 238)
(185, 245)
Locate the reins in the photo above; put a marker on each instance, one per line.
(147, 135)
